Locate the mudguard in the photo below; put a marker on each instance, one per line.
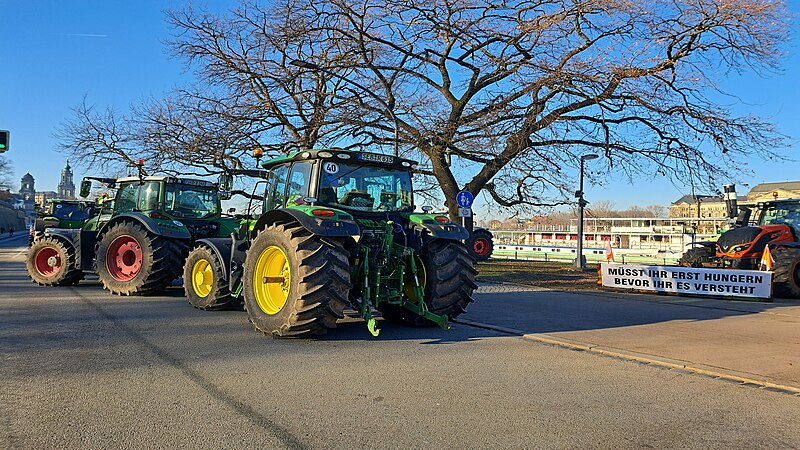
(167, 228)
(772, 246)
(45, 222)
(82, 241)
(322, 226)
(222, 248)
(67, 235)
(449, 230)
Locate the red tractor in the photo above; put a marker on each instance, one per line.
(777, 225)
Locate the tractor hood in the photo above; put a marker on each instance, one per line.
(750, 241)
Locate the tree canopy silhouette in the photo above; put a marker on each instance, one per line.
(500, 96)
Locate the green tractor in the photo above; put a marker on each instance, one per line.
(62, 213)
(337, 229)
(137, 242)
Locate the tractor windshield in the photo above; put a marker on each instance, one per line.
(782, 213)
(365, 188)
(68, 211)
(184, 200)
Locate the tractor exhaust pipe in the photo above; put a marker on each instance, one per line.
(731, 205)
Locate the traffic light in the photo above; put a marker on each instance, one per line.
(4, 137)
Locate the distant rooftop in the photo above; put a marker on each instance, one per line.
(768, 187)
(698, 198)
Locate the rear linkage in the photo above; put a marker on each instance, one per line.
(389, 275)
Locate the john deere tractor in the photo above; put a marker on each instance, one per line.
(138, 241)
(337, 229)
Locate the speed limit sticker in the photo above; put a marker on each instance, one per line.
(331, 168)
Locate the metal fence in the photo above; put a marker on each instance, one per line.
(569, 257)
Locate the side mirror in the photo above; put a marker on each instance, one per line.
(225, 184)
(86, 188)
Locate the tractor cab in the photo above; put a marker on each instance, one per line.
(164, 200)
(359, 183)
(68, 210)
(365, 188)
(178, 198)
(158, 196)
(783, 212)
(62, 213)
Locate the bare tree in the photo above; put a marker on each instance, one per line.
(244, 97)
(6, 171)
(200, 133)
(501, 97)
(105, 140)
(246, 56)
(601, 208)
(518, 89)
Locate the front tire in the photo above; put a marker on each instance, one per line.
(697, 256)
(51, 262)
(786, 272)
(295, 283)
(131, 260)
(203, 280)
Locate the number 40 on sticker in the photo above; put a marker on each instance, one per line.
(330, 167)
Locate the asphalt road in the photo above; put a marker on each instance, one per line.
(85, 369)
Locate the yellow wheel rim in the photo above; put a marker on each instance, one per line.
(272, 279)
(202, 278)
(409, 285)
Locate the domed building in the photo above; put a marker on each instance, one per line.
(27, 192)
(66, 187)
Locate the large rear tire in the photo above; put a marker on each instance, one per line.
(449, 277)
(51, 262)
(295, 283)
(203, 280)
(131, 260)
(481, 244)
(786, 272)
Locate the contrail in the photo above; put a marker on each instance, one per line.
(83, 35)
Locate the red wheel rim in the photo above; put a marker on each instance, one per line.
(47, 261)
(124, 258)
(481, 246)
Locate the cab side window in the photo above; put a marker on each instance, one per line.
(126, 198)
(277, 188)
(148, 196)
(299, 181)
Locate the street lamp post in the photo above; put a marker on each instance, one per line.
(580, 263)
(312, 66)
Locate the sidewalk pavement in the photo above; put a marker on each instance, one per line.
(752, 340)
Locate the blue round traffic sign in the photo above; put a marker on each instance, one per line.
(464, 199)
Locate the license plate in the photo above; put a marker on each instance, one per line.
(374, 157)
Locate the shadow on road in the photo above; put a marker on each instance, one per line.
(71, 324)
(69, 329)
(555, 311)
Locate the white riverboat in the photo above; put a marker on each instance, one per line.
(639, 240)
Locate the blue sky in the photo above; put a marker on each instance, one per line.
(55, 52)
